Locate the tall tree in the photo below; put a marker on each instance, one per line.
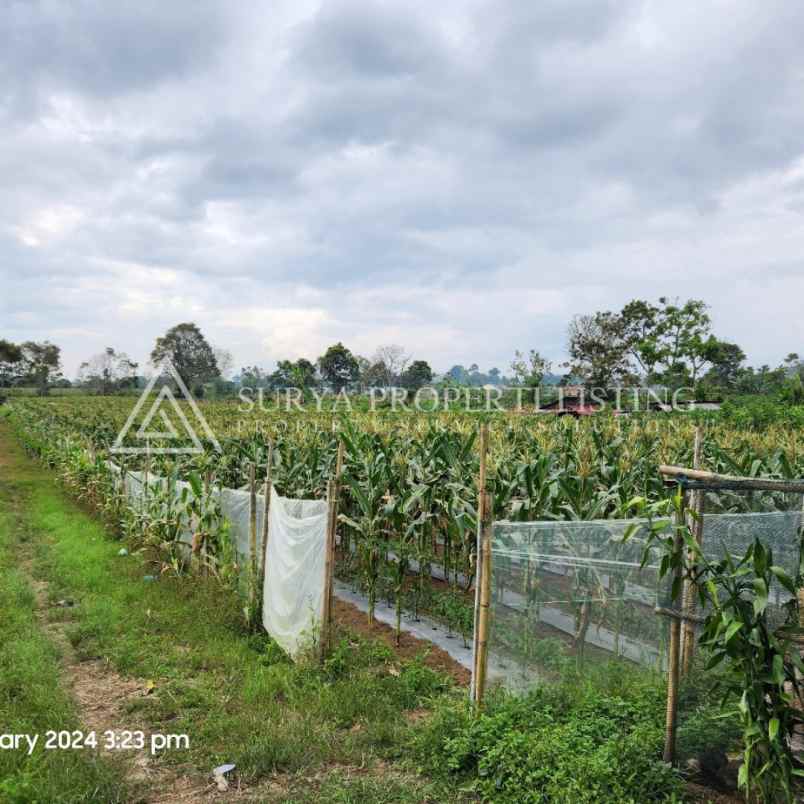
(763, 380)
(10, 360)
(529, 370)
(598, 353)
(793, 364)
(338, 367)
(393, 359)
(224, 361)
(372, 374)
(108, 371)
(40, 364)
(682, 341)
(416, 375)
(637, 323)
(669, 343)
(458, 374)
(254, 377)
(727, 360)
(190, 354)
(290, 374)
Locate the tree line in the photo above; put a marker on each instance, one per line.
(36, 364)
(669, 344)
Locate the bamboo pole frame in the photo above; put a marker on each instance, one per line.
(800, 641)
(674, 649)
(252, 513)
(481, 495)
(697, 481)
(482, 656)
(338, 472)
(204, 557)
(690, 589)
(731, 481)
(266, 509)
(333, 498)
(144, 503)
(329, 566)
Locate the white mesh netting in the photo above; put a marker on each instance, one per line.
(570, 594)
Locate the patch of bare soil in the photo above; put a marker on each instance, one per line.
(102, 696)
(705, 795)
(352, 619)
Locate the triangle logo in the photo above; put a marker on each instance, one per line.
(156, 425)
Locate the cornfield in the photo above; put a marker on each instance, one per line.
(410, 480)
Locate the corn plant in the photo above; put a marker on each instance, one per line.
(761, 665)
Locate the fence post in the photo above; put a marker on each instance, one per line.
(338, 472)
(799, 643)
(481, 494)
(144, 501)
(266, 508)
(674, 652)
(204, 552)
(690, 591)
(252, 512)
(329, 562)
(482, 656)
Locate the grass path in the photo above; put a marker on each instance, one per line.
(170, 657)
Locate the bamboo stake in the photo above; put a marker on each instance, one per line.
(673, 657)
(733, 482)
(339, 459)
(679, 615)
(481, 495)
(266, 509)
(197, 541)
(690, 589)
(338, 471)
(326, 614)
(485, 601)
(204, 557)
(252, 511)
(800, 593)
(144, 503)
(800, 599)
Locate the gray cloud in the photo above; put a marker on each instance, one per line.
(85, 46)
(460, 177)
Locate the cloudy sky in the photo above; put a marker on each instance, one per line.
(459, 177)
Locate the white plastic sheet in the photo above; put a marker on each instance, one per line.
(235, 507)
(295, 565)
(296, 560)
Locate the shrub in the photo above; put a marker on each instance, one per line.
(756, 412)
(561, 743)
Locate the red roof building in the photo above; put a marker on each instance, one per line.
(572, 401)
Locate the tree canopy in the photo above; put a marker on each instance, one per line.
(338, 367)
(530, 370)
(10, 359)
(416, 375)
(108, 371)
(191, 355)
(668, 343)
(40, 364)
(294, 374)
